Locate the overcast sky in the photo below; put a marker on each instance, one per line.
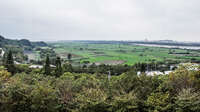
(100, 19)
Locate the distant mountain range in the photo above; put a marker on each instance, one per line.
(23, 43)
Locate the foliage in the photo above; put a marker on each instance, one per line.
(47, 68)
(188, 100)
(67, 67)
(69, 56)
(58, 70)
(159, 102)
(182, 78)
(9, 63)
(82, 92)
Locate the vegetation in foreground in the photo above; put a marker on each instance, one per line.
(38, 91)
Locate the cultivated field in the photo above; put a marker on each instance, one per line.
(114, 53)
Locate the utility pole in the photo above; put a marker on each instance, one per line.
(109, 88)
(109, 76)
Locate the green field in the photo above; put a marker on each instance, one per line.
(120, 54)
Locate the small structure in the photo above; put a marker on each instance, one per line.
(17, 63)
(36, 66)
(40, 66)
(109, 75)
(52, 66)
(2, 52)
(152, 73)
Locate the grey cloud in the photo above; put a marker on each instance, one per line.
(100, 19)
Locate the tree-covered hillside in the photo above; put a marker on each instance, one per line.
(19, 48)
(23, 43)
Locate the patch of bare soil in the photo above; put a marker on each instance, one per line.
(110, 62)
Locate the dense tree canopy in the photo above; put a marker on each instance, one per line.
(81, 92)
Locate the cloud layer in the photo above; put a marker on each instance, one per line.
(100, 19)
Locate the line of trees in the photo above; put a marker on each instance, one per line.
(61, 67)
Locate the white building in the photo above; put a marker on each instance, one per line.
(152, 73)
(36, 66)
(2, 52)
(40, 66)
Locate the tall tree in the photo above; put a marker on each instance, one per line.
(9, 62)
(58, 70)
(69, 56)
(47, 68)
(67, 67)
